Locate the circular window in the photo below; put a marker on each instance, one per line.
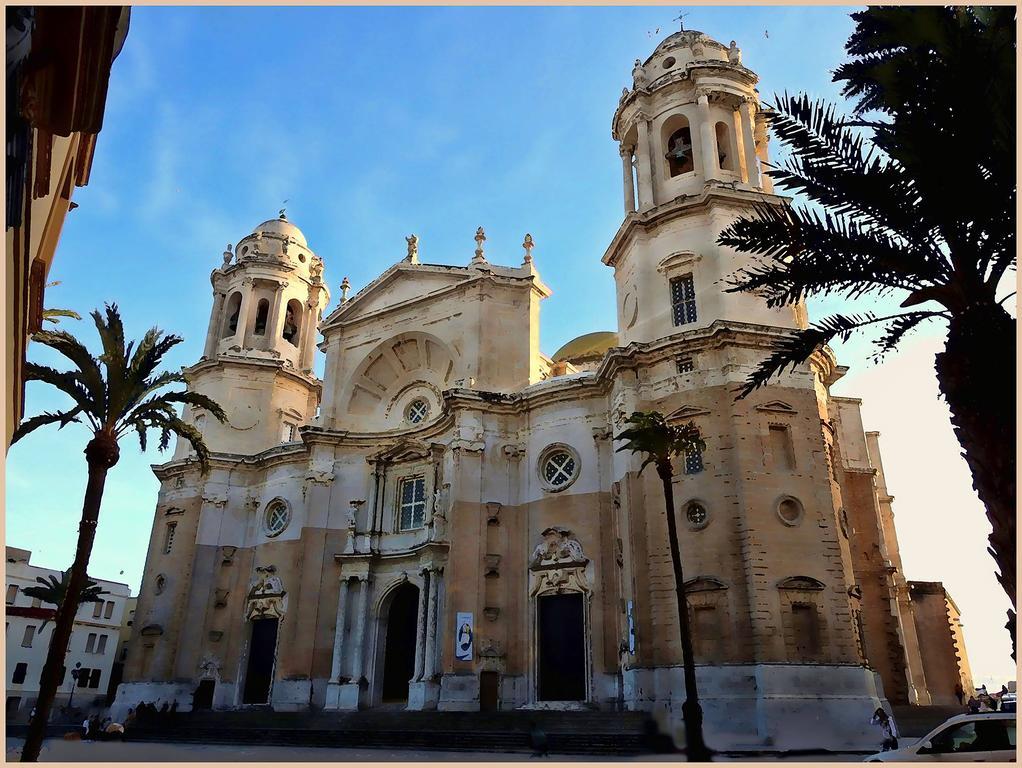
(558, 467)
(278, 515)
(696, 515)
(417, 411)
(669, 62)
(790, 510)
(301, 257)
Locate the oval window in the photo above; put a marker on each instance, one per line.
(417, 411)
(790, 510)
(558, 468)
(696, 515)
(669, 62)
(278, 515)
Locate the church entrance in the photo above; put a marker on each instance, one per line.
(399, 656)
(202, 698)
(562, 663)
(261, 651)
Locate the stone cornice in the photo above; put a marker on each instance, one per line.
(684, 205)
(211, 363)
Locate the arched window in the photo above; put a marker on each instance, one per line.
(262, 312)
(679, 148)
(231, 316)
(292, 322)
(725, 157)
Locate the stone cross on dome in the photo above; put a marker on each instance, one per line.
(680, 18)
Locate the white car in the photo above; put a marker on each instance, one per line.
(978, 738)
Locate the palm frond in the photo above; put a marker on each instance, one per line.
(91, 374)
(171, 424)
(68, 382)
(54, 315)
(31, 425)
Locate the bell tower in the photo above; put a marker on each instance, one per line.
(692, 140)
(268, 299)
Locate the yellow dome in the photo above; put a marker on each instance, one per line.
(588, 345)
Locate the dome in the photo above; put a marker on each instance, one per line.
(588, 345)
(687, 39)
(281, 226)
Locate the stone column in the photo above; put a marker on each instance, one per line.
(275, 322)
(429, 668)
(706, 138)
(308, 337)
(420, 628)
(643, 164)
(358, 662)
(216, 321)
(629, 183)
(748, 116)
(246, 302)
(342, 614)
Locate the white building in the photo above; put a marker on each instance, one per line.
(92, 649)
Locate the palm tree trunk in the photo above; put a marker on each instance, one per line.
(101, 454)
(695, 746)
(976, 373)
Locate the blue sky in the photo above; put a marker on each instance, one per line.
(378, 122)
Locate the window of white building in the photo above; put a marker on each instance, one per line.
(683, 300)
(90, 643)
(12, 593)
(412, 503)
(168, 540)
(109, 610)
(26, 640)
(101, 646)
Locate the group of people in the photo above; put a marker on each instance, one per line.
(94, 728)
(983, 701)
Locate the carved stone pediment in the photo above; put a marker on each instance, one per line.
(687, 412)
(405, 450)
(558, 564)
(776, 406)
(801, 584)
(704, 584)
(678, 260)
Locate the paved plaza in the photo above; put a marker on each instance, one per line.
(58, 750)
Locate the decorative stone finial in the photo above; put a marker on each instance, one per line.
(528, 245)
(228, 255)
(480, 238)
(413, 249)
(345, 287)
(624, 95)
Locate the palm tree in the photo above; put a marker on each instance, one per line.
(113, 393)
(53, 590)
(651, 435)
(917, 189)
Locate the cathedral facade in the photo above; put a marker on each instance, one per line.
(442, 521)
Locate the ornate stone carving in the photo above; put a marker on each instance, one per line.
(266, 597)
(491, 565)
(227, 553)
(316, 270)
(624, 95)
(558, 564)
(491, 614)
(227, 256)
(320, 471)
(493, 512)
(209, 667)
(559, 546)
(216, 499)
(602, 433)
(514, 450)
(220, 598)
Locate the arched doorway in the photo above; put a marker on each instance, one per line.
(399, 642)
(261, 657)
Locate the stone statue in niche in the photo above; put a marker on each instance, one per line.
(639, 75)
(734, 53)
(441, 504)
(290, 326)
(316, 270)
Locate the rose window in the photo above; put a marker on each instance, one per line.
(559, 468)
(416, 411)
(277, 517)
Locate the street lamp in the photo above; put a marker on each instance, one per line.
(74, 681)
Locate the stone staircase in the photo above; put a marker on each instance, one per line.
(582, 733)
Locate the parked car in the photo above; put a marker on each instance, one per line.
(988, 737)
(1008, 702)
